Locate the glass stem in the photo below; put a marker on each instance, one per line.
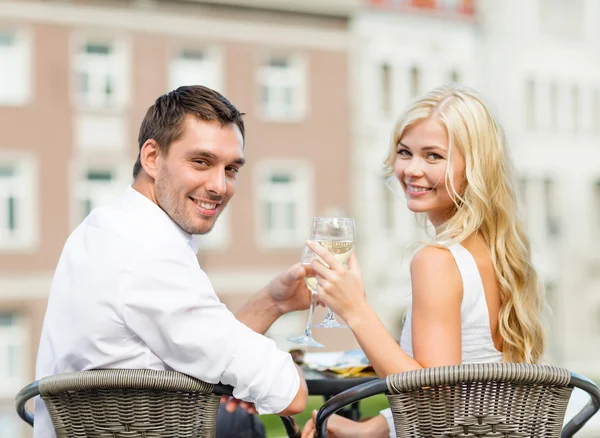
(329, 316)
(311, 310)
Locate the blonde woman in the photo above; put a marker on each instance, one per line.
(475, 294)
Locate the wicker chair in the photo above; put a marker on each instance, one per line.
(129, 404)
(476, 400)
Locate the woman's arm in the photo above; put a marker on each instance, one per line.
(437, 295)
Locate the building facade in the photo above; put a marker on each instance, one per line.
(538, 65)
(76, 78)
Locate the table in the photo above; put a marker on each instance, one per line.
(328, 384)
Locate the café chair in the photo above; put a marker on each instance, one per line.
(502, 400)
(128, 404)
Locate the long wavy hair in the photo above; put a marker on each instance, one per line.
(487, 205)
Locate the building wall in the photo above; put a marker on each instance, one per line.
(63, 138)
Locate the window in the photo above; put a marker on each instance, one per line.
(551, 205)
(575, 107)
(597, 206)
(454, 76)
(17, 203)
(386, 89)
(12, 351)
(218, 237)
(553, 106)
(530, 101)
(101, 75)
(282, 88)
(596, 112)
(415, 82)
(15, 68)
(97, 187)
(195, 67)
(283, 193)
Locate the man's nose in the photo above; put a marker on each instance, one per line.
(217, 182)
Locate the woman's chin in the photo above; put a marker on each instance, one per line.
(417, 207)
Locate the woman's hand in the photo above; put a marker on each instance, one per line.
(337, 427)
(340, 287)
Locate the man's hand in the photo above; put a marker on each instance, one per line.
(288, 290)
(232, 403)
(285, 293)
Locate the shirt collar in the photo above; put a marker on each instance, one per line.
(156, 215)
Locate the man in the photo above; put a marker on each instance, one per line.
(128, 291)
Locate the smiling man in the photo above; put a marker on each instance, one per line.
(128, 291)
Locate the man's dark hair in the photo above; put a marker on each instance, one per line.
(164, 120)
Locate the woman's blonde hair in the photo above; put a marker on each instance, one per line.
(486, 205)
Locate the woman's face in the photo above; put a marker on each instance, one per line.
(421, 169)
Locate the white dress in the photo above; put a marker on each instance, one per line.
(477, 343)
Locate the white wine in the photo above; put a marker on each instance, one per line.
(341, 251)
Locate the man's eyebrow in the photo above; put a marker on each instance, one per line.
(200, 153)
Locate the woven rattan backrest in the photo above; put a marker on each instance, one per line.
(129, 404)
(480, 400)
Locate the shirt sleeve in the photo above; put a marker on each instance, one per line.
(169, 303)
(387, 414)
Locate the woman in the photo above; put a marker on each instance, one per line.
(475, 294)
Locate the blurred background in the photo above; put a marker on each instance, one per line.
(321, 83)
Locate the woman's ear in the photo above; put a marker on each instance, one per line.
(149, 155)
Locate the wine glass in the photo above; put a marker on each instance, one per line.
(306, 339)
(337, 234)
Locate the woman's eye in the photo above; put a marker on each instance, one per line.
(434, 156)
(403, 153)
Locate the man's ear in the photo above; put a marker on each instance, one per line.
(149, 155)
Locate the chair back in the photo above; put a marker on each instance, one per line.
(480, 400)
(129, 404)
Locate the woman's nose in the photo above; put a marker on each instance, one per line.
(414, 168)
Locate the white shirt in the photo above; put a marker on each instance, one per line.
(128, 292)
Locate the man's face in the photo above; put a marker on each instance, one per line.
(198, 175)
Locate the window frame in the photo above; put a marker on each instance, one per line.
(299, 106)
(25, 36)
(214, 56)
(27, 234)
(121, 69)
(303, 199)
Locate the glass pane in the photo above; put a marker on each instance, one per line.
(7, 171)
(270, 215)
(193, 55)
(98, 49)
(108, 89)
(281, 178)
(7, 39)
(14, 361)
(12, 213)
(530, 97)
(386, 89)
(290, 220)
(7, 319)
(279, 62)
(415, 82)
(87, 207)
(99, 175)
